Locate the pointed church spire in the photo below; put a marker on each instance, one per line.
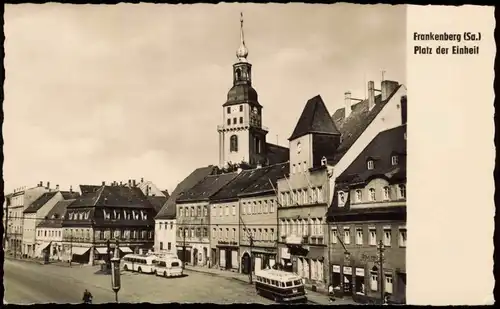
(242, 51)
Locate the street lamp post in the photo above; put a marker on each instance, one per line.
(115, 271)
(380, 257)
(251, 259)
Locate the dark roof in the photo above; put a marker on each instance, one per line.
(242, 93)
(167, 195)
(39, 202)
(262, 185)
(357, 122)
(57, 212)
(89, 188)
(380, 150)
(168, 210)
(238, 184)
(206, 188)
(69, 195)
(277, 154)
(157, 202)
(109, 196)
(314, 119)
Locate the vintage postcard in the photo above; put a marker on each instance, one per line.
(248, 153)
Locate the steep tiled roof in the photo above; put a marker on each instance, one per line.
(89, 188)
(380, 150)
(69, 195)
(262, 185)
(55, 216)
(277, 154)
(39, 202)
(157, 202)
(206, 188)
(110, 196)
(357, 122)
(314, 119)
(238, 184)
(168, 210)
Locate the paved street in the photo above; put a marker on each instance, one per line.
(28, 283)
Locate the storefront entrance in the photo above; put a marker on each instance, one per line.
(245, 263)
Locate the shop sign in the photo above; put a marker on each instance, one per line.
(336, 268)
(232, 243)
(347, 270)
(360, 272)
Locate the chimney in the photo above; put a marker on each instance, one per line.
(41, 184)
(48, 184)
(387, 88)
(129, 182)
(121, 183)
(103, 183)
(57, 187)
(133, 182)
(71, 189)
(142, 179)
(347, 99)
(371, 95)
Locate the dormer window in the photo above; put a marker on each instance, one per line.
(342, 197)
(402, 191)
(370, 164)
(387, 193)
(373, 197)
(394, 160)
(359, 195)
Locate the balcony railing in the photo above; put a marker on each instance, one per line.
(245, 124)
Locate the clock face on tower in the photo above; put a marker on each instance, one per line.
(299, 147)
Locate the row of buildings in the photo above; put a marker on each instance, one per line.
(330, 207)
(319, 208)
(75, 226)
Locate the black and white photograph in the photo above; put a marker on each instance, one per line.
(229, 153)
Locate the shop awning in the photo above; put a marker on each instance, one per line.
(39, 248)
(101, 250)
(79, 250)
(126, 250)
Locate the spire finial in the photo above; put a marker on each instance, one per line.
(242, 51)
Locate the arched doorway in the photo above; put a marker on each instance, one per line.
(195, 257)
(245, 263)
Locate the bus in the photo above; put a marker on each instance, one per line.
(139, 263)
(168, 267)
(280, 285)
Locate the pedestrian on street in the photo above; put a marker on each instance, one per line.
(331, 294)
(87, 297)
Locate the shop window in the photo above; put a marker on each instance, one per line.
(360, 281)
(336, 278)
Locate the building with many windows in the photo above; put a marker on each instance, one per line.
(165, 220)
(193, 220)
(259, 220)
(225, 220)
(368, 213)
(107, 213)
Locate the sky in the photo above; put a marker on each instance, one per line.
(115, 92)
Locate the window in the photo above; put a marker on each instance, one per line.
(233, 236)
(226, 210)
(241, 119)
(171, 225)
(402, 236)
(233, 212)
(387, 193)
(359, 195)
(394, 160)
(233, 141)
(169, 246)
(234, 120)
(161, 245)
(388, 283)
(347, 236)
(373, 236)
(334, 235)
(192, 212)
(374, 279)
(359, 236)
(402, 191)
(272, 234)
(241, 108)
(221, 211)
(271, 206)
(341, 199)
(243, 210)
(205, 211)
(227, 234)
(229, 122)
(45, 234)
(320, 194)
(199, 211)
(205, 232)
(387, 236)
(229, 109)
(293, 169)
(372, 195)
(214, 232)
(370, 164)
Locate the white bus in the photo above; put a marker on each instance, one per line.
(139, 263)
(168, 267)
(280, 285)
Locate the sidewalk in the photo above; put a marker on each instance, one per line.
(313, 297)
(39, 261)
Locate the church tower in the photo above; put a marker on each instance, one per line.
(242, 138)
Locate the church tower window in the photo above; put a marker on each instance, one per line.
(234, 143)
(229, 110)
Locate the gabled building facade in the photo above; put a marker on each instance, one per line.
(303, 195)
(107, 213)
(165, 220)
(193, 219)
(367, 215)
(258, 222)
